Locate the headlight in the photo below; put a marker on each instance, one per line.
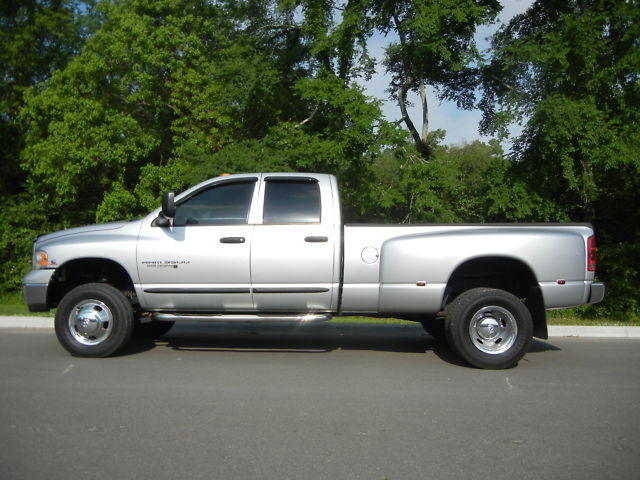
(40, 259)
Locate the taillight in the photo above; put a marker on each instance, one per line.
(591, 253)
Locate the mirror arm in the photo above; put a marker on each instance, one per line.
(162, 221)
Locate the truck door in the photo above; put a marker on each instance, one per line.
(201, 263)
(293, 254)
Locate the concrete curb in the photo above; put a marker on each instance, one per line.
(596, 332)
(26, 322)
(554, 330)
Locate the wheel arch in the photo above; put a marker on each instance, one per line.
(87, 270)
(505, 273)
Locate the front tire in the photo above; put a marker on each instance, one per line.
(94, 320)
(489, 328)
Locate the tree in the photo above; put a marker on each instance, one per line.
(435, 48)
(155, 83)
(570, 71)
(461, 183)
(164, 86)
(37, 38)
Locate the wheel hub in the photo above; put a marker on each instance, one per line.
(493, 329)
(488, 328)
(90, 322)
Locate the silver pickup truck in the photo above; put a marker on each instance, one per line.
(272, 247)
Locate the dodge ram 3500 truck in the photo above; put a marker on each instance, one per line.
(272, 247)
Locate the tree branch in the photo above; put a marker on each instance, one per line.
(309, 118)
(419, 140)
(425, 112)
(421, 145)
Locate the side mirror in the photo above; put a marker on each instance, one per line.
(168, 204)
(168, 211)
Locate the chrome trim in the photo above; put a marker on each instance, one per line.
(291, 290)
(197, 290)
(301, 318)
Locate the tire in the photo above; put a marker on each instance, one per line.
(435, 328)
(152, 329)
(489, 328)
(94, 320)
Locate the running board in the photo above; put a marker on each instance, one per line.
(198, 317)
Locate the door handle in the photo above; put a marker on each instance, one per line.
(232, 240)
(316, 239)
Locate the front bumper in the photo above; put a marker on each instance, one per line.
(596, 293)
(34, 289)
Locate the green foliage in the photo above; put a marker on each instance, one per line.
(106, 104)
(343, 133)
(21, 219)
(620, 266)
(37, 37)
(436, 48)
(436, 43)
(156, 82)
(571, 72)
(462, 183)
(162, 89)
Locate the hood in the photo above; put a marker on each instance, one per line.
(79, 230)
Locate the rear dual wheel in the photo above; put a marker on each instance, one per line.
(489, 328)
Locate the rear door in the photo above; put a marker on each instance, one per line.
(294, 248)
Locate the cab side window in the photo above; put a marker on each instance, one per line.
(291, 201)
(223, 204)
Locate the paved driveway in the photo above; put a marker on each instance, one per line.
(334, 402)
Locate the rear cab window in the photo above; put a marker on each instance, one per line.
(292, 200)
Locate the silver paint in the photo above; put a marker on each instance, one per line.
(276, 270)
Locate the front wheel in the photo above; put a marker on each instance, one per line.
(94, 320)
(489, 328)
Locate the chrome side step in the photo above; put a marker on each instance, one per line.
(306, 318)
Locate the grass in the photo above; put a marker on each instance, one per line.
(11, 304)
(579, 316)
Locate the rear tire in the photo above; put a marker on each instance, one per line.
(94, 320)
(489, 328)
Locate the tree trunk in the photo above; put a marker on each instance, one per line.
(419, 140)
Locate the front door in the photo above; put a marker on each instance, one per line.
(202, 262)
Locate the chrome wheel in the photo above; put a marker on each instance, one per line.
(94, 320)
(90, 322)
(493, 330)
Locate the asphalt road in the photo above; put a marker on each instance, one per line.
(330, 402)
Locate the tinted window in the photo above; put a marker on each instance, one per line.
(292, 201)
(225, 204)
